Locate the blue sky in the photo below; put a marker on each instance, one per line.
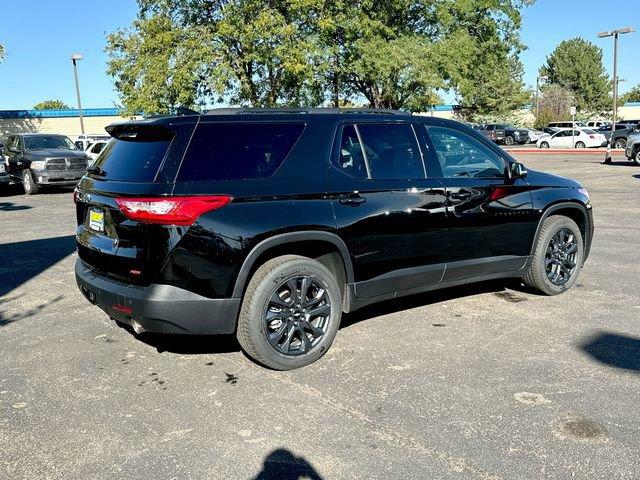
(40, 35)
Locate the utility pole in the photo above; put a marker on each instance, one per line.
(74, 58)
(615, 34)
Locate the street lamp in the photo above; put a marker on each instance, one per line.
(615, 34)
(74, 58)
(544, 78)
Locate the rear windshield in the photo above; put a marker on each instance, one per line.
(134, 157)
(235, 151)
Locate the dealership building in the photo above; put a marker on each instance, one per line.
(67, 122)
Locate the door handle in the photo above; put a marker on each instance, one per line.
(352, 199)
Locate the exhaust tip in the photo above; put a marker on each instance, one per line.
(137, 327)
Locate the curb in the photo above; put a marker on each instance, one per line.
(570, 151)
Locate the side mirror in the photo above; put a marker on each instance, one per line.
(518, 170)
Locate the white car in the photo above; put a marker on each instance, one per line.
(568, 138)
(594, 124)
(94, 149)
(579, 125)
(534, 135)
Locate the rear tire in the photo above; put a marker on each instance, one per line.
(550, 269)
(29, 185)
(620, 143)
(580, 145)
(544, 145)
(276, 326)
(636, 156)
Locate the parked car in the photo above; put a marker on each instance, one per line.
(492, 133)
(534, 135)
(298, 216)
(618, 139)
(43, 159)
(606, 130)
(94, 149)
(83, 141)
(4, 176)
(569, 138)
(577, 125)
(596, 124)
(508, 134)
(632, 150)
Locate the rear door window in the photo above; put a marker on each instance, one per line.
(236, 151)
(135, 156)
(391, 151)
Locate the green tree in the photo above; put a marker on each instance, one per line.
(51, 105)
(632, 95)
(576, 65)
(2, 52)
(393, 53)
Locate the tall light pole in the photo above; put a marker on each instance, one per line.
(544, 79)
(74, 58)
(615, 34)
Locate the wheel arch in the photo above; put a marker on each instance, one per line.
(326, 247)
(573, 210)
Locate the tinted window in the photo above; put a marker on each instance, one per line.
(135, 157)
(391, 151)
(97, 148)
(350, 159)
(461, 155)
(236, 151)
(41, 142)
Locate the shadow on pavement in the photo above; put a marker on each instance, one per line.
(626, 163)
(11, 207)
(281, 464)
(615, 350)
(21, 261)
(201, 344)
(6, 320)
(429, 298)
(637, 176)
(186, 344)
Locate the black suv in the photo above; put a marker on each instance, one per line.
(270, 224)
(43, 159)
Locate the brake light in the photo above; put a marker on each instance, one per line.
(182, 211)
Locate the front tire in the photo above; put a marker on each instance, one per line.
(29, 185)
(509, 140)
(558, 256)
(544, 145)
(636, 157)
(290, 313)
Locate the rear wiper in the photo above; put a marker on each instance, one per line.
(96, 170)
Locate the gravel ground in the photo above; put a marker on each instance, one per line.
(485, 381)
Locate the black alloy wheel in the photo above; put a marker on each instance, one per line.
(297, 315)
(561, 257)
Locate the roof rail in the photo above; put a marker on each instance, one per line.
(312, 111)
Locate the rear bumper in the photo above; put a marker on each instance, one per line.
(4, 179)
(158, 308)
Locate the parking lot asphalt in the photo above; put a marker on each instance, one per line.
(485, 381)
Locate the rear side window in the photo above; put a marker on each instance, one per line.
(134, 156)
(235, 151)
(391, 151)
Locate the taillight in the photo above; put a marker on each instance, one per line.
(592, 137)
(75, 195)
(181, 211)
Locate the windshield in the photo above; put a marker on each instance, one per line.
(41, 142)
